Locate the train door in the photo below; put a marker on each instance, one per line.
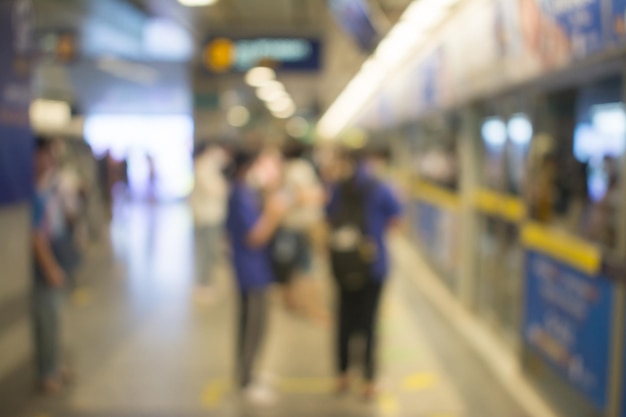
(505, 136)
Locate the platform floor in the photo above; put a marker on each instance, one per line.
(144, 347)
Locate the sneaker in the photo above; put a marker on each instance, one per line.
(260, 395)
(370, 392)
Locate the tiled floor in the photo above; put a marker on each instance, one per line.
(143, 347)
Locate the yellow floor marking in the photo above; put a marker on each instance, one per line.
(306, 385)
(388, 403)
(420, 381)
(82, 297)
(214, 393)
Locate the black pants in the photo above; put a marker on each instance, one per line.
(252, 323)
(357, 315)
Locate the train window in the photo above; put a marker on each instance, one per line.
(575, 160)
(436, 159)
(506, 132)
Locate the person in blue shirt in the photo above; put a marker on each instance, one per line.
(251, 225)
(358, 306)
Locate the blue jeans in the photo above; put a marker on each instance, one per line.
(46, 311)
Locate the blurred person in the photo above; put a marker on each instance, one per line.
(291, 248)
(542, 189)
(208, 201)
(152, 179)
(250, 228)
(70, 188)
(360, 212)
(604, 214)
(51, 268)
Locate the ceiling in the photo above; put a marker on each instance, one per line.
(243, 16)
(115, 27)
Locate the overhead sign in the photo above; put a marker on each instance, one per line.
(568, 324)
(16, 142)
(223, 55)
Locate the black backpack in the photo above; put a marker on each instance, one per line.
(284, 250)
(352, 251)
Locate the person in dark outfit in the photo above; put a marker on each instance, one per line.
(358, 301)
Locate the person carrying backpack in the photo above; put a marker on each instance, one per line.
(361, 210)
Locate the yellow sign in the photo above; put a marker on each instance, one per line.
(219, 55)
(564, 247)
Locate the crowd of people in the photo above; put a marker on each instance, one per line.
(268, 203)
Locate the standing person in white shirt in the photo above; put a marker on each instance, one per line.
(208, 202)
(302, 187)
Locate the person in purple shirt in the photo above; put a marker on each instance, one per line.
(358, 306)
(250, 226)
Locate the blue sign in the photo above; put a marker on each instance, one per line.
(618, 19)
(582, 22)
(567, 322)
(222, 55)
(16, 143)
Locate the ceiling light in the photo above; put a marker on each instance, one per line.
(269, 89)
(197, 3)
(281, 105)
(259, 76)
(269, 96)
(238, 116)
(403, 42)
(285, 114)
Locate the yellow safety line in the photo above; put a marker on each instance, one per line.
(388, 403)
(505, 206)
(420, 381)
(214, 393)
(436, 195)
(563, 246)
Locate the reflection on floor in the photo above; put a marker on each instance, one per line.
(143, 347)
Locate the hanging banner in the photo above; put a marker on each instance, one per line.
(16, 142)
(567, 322)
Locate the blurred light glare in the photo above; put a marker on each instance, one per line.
(494, 132)
(197, 3)
(297, 127)
(281, 105)
(269, 96)
(609, 119)
(167, 40)
(259, 76)
(520, 129)
(403, 42)
(286, 112)
(50, 114)
(167, 139)
(268, 89)
(238, 116)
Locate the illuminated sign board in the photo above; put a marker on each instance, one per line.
(223, 55)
